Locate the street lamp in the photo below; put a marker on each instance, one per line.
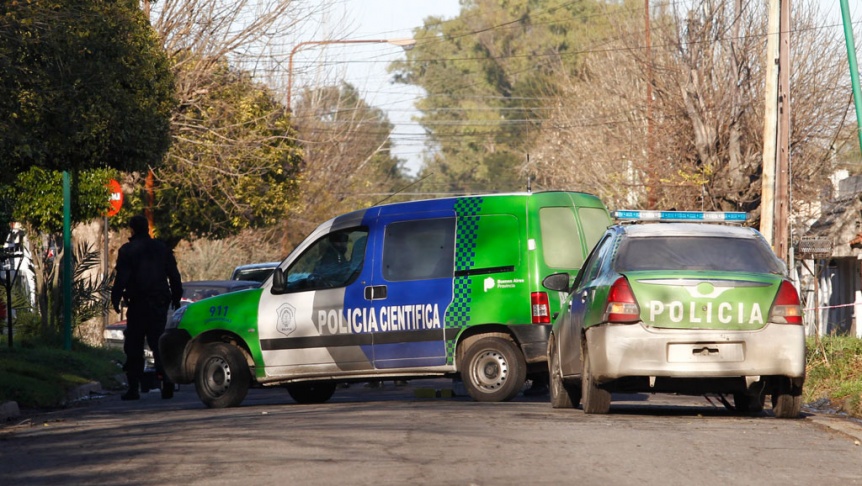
(405, 44)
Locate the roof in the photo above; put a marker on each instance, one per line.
(255, 266)
(688, 229)
(839, 223)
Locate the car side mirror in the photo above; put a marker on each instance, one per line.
(278, 285)
(557, 281)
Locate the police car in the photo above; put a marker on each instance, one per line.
(680, 307)
(449, 287)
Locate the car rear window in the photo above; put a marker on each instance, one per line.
(696, 253)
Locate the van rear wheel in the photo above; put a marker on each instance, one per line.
(222, 377)
(494, 370)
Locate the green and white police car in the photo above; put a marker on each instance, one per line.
(436, 288)
(680, 307)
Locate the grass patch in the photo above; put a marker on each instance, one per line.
(38, 375)
(834, 373)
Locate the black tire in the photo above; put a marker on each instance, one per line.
(306, 393)
(594, 399)
(787, 400)
(562, 395)
(222, 377)
(493, 369)
(747, 404)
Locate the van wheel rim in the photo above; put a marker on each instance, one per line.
(217, 376)
(490, 371)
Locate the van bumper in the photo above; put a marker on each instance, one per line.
(172, 345)
(533, 339)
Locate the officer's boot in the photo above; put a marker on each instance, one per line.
(134, 388)
(167, 387)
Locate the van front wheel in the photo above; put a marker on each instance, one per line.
(222, 377)
(494, 370)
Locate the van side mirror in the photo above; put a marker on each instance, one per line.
(557, 281)
(278, 285)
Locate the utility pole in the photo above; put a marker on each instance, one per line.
(770, 122)
(782, 173)
(775, 193)
(651, 195)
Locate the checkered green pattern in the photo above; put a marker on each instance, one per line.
(458, 314)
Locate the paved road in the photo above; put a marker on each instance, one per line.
(392, 435)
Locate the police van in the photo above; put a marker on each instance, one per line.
(435, 288)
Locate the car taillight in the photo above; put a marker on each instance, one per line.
(621, 306)
(541, 308)
(786, 309)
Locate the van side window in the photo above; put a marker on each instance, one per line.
(561, 240)
(335, 260)
(594, 221)
(419, 250)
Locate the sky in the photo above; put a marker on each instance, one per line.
(364, 65)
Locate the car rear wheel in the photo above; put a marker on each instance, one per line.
(562, 394)
(595, 399)
(222, 377)
(493, 369)
(786, 400)
(306, 393)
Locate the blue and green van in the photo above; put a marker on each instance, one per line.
(435, 288)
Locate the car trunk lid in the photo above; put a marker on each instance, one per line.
(699, 300)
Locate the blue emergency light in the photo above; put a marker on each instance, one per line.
(681, 216)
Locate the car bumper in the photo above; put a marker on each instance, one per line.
(618, 351)
(533, 339)
(172, 345)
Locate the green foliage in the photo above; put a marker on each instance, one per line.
(37, 374)
(91, 292)
(834, 372)
(233, 165)
(39, 197)
(491, 71)
(83, 84)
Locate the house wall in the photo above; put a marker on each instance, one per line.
(839, 282)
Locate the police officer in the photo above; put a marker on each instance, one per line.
(148, 279)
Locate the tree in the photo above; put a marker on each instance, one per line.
(83, 84)
(701, 148)
(84, 88)
(348, 162)
(39, 207)
(233, 165)
(489, 74)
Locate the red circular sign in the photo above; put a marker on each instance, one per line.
(116, 198)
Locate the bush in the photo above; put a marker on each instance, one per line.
(834, 373)
(37, 374)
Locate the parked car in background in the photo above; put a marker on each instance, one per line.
(196, 290)
(257, 272)
(679, 308)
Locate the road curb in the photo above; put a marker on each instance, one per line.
(844, 425)
(10, 410)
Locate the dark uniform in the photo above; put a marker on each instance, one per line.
(147, 277)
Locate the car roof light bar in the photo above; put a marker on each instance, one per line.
(681, 216)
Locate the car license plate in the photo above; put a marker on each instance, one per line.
(705, 352)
